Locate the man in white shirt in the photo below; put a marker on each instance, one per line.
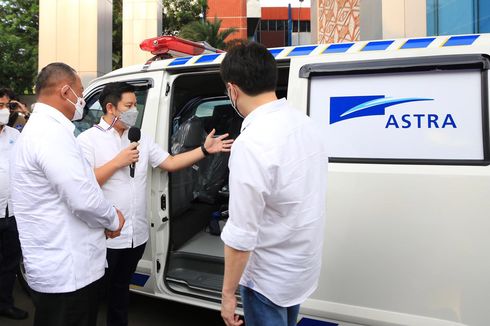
(10, 252)
(61, 212)
(278, 177)
(109, 151)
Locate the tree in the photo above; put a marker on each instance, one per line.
(19, 26)
(116, 34)
(178, 13)
(208, 31)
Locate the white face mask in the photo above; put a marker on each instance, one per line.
(129, 117)
(79, 106)
(4, 116)
(234, 106)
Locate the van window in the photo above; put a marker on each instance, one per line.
(206, 109)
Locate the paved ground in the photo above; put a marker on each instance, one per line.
(144, 311)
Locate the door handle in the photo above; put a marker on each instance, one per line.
(163, 202)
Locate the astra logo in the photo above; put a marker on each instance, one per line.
(349, 107)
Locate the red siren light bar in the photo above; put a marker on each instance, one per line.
(171, 46)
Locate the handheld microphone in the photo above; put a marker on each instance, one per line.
(134, 135)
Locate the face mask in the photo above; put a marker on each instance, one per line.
(128, 118)
(4, 116)
(79, 105)
(234, 106)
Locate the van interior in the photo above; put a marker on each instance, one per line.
(199, 194)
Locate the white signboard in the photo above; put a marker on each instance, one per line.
(415, 115)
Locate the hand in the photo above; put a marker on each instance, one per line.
(228, 307)
(115, 234)
(215, 145)
(127, 156)
(20, 108)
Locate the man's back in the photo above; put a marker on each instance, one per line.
(281, 158)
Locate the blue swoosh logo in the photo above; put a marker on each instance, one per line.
(383, 102)
(348, 107)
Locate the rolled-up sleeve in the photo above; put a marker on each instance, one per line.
(249, 186)
(156, 153)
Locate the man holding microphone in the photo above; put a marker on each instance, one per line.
(61, 211)
(108, 149)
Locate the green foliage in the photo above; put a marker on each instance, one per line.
(19, 26)
(207, 31)
(116, 34)
(178, 13)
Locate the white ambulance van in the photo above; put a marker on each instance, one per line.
(407, 238)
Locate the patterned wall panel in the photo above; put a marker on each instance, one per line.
(338, 21)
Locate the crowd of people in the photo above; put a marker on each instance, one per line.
(77, 217)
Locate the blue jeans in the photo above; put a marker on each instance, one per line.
(260, 311)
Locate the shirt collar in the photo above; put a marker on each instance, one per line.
(261, 111)
(48, 110)
(104, 126)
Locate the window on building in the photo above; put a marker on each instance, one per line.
(446, 17)
(264, 25)
(305, 26)
(281, 25)
(295, 26)
(273, 25)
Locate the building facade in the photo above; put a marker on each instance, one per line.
(353, 20)
(336, 20)
(82, 36)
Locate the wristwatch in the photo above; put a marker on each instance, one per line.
(203, 149)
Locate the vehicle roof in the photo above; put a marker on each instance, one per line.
(403, 47)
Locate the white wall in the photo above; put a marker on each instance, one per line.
(253, 9)
(78, 33)
(304, 38)
(142, 19)
(382, 19)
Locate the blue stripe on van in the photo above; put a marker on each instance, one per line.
(418, 43)
(338, 48)
(208, 58)
(377, 45)
(461, 40)
(302, 50)
(275, 52)
(180, 61)
(311, 322)
(139, 279)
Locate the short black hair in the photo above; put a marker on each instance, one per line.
(52, 74)
(113, 92)
(251, 67)
(8, 92)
